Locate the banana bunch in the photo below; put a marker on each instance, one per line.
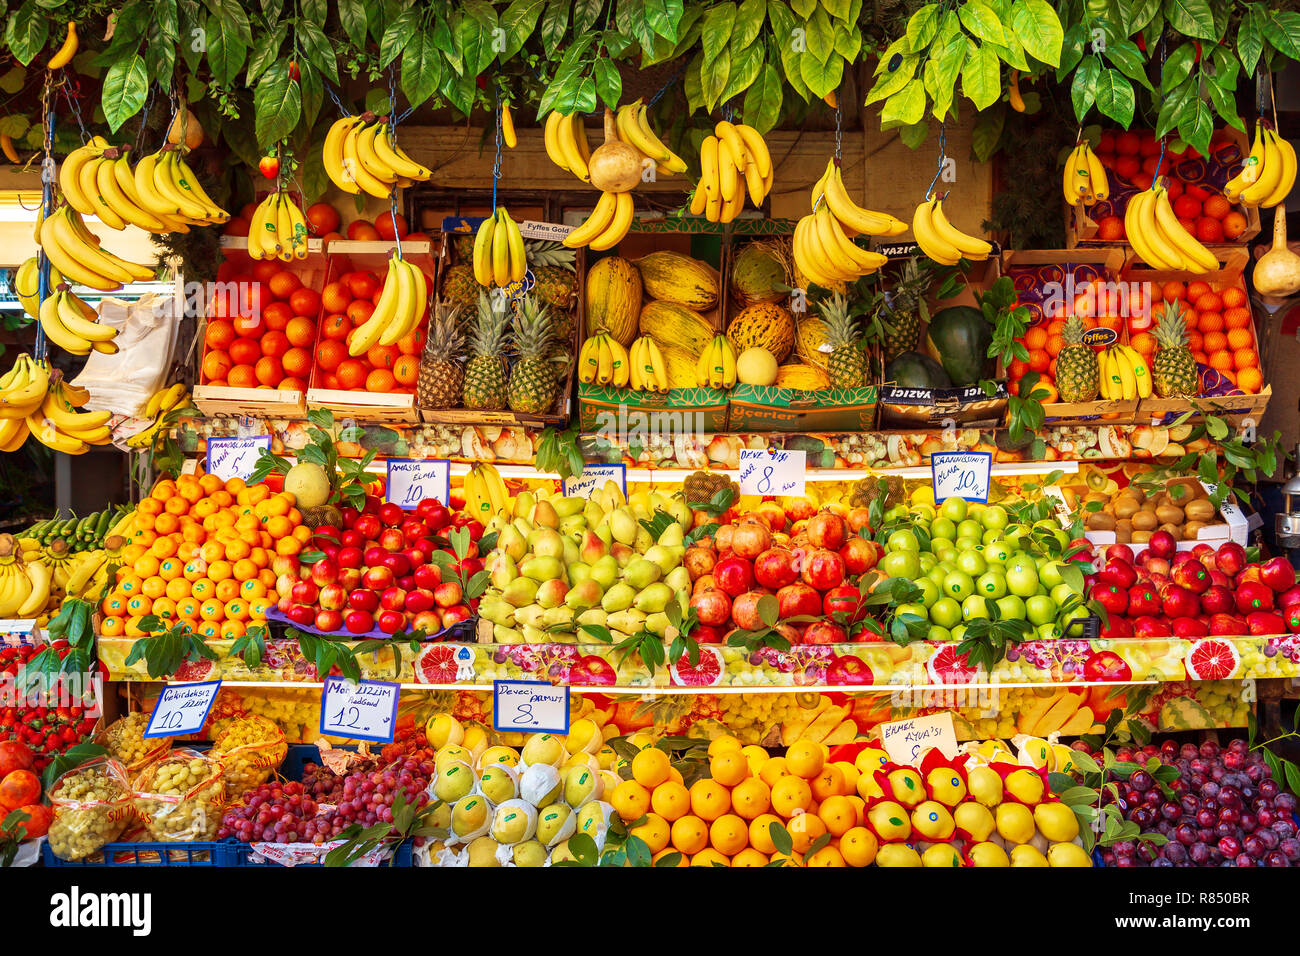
(499, 257)
(73, 325)
(648, 370)
(826, 255)
(161, 195)
(1122, 374)
(165, 400)
(402, 306)
(58, 424)
(830, 190)
(734, 159)
(565, 139)
(941, 240)
(361, 155)
(634, 130)
(717, 366)
(27, 284)
(24, 588)
(74, 250)
(1084, 178)
(278, 229)
(604, 361)
(485, 493)
(1268, 174)
(22, 391)
(607, 224)
(1159, 238)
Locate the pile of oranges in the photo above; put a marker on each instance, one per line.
(1220, 332)
(207, 554)
(261, 329)
(726, 818)
(348, 302)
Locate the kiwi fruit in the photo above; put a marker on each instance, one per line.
(1174, 529)
(1140, 537)
(1123, 535)
(1126, 506)
(1192, 529)
(1145, 520)
(1100, 521)
(1170, 514)
(1135, 492)
(1199, 510)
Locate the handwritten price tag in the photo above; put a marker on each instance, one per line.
(593, 477)
(530, 706)
(906, 740)
(182, 709)
(235, 457)
(364, 711)
(411, 480)
(772, 472)
(961, 474)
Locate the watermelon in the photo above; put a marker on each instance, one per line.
(914, 370)
(959, 338)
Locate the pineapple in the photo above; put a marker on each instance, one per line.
(459, 287)
(442, 371)
(1076, 365)
(1174, 371)
(485, 375)
(463, 243)
(847, 365)
(534, 378)
(553, 269)
(902, 317)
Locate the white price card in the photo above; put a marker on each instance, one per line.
(361, 711)
(961, 474)
(530, 706)
(776, 472)
(235, 457)
(411, 480)
(182, 709)
(593, 477)
(906, 740)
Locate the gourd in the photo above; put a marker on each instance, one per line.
(1277, 273)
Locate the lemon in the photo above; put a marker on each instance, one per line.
(584, 735)
(443, 729)
(1015, 823)
(945, 786)
(805, 758)
(988, 854)
(723, 744)
(898, 854)
(1056, 822)
(974, 819)
(506, 756)
(630, 800)
(890, 821)
(1027, 855)
(932, 821)
(906, 786)
(475, 740)
(756, 756)
(941, 854)
(1067, 854)
(1025, 785)
(985, 786)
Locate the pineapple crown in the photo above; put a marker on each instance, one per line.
(839, 320)
(1171, 327)
(489, 334)
(547, 252)
(1073, 331)
(446, 333)
(533, 327)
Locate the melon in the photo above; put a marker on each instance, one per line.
(756, 367)
(804, 378)
(757, 275)
(914, 370)
(959, 338)
(308, 484)
(613, 298)
(763, 326)
(673, 277)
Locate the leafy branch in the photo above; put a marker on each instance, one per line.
(165, 650)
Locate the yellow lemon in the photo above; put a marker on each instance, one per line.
(709, 799)
(1036, 752)
(790, 795)
(974, 819)
(946, 786)
(907, 786)
(870, 759)
(1067, 854)
(1025, 785)
(1027, 855)
(630, 800)
(985, 786)
(751, 798)
(932, 821)
(729, 834)
(671, 800)
(723, 744)
(898, 854)
(729, 768)
(941, 854)
(443, 729)
(760, 832)
(1056, 821)
(1015, 823)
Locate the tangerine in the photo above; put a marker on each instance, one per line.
(381, 381)
(301, 331)
(407, 370)
(330, 354)
(216, 366)
(284, 284)
(242, 376)
(335, 297)
(296, 363)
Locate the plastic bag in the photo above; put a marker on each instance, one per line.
(92, 806)
(179, 798)
(251, 749)
(147, 329)
(125, 742)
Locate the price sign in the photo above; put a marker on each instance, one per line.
(530, 706)
(772, 472)
(411, 480)
(961, 474)
(235, 457)
(182, 709)
(906, 740)
(361, 711)
(593, 477)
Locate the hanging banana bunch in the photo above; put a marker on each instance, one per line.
(735, 159)
(361, 155)
(1084, 178)
(278, 229)
(823, 246)
(1268, 173)
(941, 240)
(499, 258)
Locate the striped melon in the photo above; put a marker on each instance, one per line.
(675, 326)
(764, 325)
(803, 378)
(613, 298)
(809, 337)
(680, 367)
(673, 277)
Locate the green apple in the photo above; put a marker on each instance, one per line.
(945, 612)
(928, 561)
(938, 633)
(990, 535)
(991, 584)
(1040, 609)
(943, 528)
(903, 540)
(1012, 608)
(1050, 631)
(959, 584)
(1050, 573)
(958, 632)
(943, 550)
(1068, 619)
(994, 516)
(968, 543)
(970, 528)
(954, 509)
(927, 512)
(972, 562)
(1022, 578)
(922, 495)
(929, 591)
(901, 564)
(1061, 593)
(974, 607)
(996, 552)
(920, 610)
(937, 574)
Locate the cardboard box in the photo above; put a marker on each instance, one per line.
(761, 408)
(1233, 525)
(678, 411)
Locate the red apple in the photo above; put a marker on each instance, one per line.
(433, 513)
(367, 525)
(1266, 622)
(349, 515)
(302, 614)
(1178, 601)
(750, 539)
(1155, 565)
(427, 621)
(325, 571)
(1148, 627)
(774, 568)
(1190, 627)
(859, 555)
(1291, 614)
(1119, 573)
(1253, 596)
(825, 632)
(328, 620)
(349, 557)
(455, 615)
(1119, 552)
(1289, 596)
(447, 594)
(798, 600)
(363, 599)
(1217, 599)
(1231, 558)
(390, 622)
(712, 608)
(393, 599)
(827, 530)
(1117, 626)
(1162, 544)
(1191, 575)
(823, 569)
(378, 578)
(350, 578)
(427, 576)
(1223, 625)
(1278, 574)
(374, 556)
(390, 539)
(419, 600)
(305, 592)
(391, 514)
(1110, 596)
(333, 597)
(734, 575)
(358, 622)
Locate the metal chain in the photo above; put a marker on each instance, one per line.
(144, 120)
(496, 165)
(839, 131)
(41, 348)
(943, 142)
(75, 109)
(337, 102)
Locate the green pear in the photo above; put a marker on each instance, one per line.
(570, 551)
(615, 492)
(654, 599)
(604, 533)
(641, 573)
(562, 637)
(594, 617)
(681, 511)
(643, 541)
(551, 593)
(594, 513)
(536, 635)
(658, 624)
(511, 542)
(568, 507)
(641, 503)
(665, 558)
(520, 591)
(622, 553)
(506, 635)
(605, 571)
(525, 501)
(628, 622)
(542, 568)
(523, 526)
(544, 515)
(673, 537)
(573, 526)
(679, 579)
(558, 617)
(496, 610)
(530, 615)
(618, 598)
(579, 571)
(593, 548)
(624, 526)
(504, 570)
(546, 543)
(584, 595)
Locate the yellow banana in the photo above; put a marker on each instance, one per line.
(571, 137)
(387, 151)
(551, 140)
(368, 334)
(589, 360)
(850, 214)
(482, 257)
(353, 166)
(757, 148)
(1286, 152)
(1270, 174)
(64, 54)
(332, 155)
(508, 127)
(517, 258)
(709, 169)
(596, 224)
(728, 363)
(500, 252)
(48, 435)
(70, 177)
(612, 235)
(1141, 372)
(1251, 169)
(1069, 179)
(605, 373)
(619, 364)
(1197, 258)
(404, 312)
(1097, 182)
(969, 246)
(69, 261)
(728, 170)
(931, 243)
(659, 365)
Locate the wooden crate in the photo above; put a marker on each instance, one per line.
(364, 406)
(1081, 225)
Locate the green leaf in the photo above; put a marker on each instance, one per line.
(988, 132)
(226, 51)
(1285, 32)
(1199, 126)
(1115, 96)
(26, 33)
(1250, 44)
(265, 50)
(475, 30)
(421, 68)
(1072, 47)
(1191, 18)
(609, 84)
(749, 21)
(1083, 88)
(399, 32)
(713, 78)
(318, 50)
(1177, 67)
(762, 106)
(821, 78)
(1038, 29)
(890, 83)
(1140, 13)
(922, 27)
(277, 105)
(1126, 55)
(352, 17)
(745, 67)
(716, 36)
(125, 86)
(980, 20)
(519, 21)
(821, 36)
(905, 107)
(555, 25)
(947, 62)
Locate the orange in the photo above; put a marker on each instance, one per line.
(252, 589)
(630, 800)
(1201, 357)
(729, 768)
(1036, 337)
(690, 834)
(203, 589)
(412, 343)
(237, 609)
(1054, 345)
(729, 834)
(211, 610)
(1216, 207)
(284, 283)
(760, 832)
(1194, 340)
(828, 783)
(220, 333)
(838, 815)
(382, 356)
(1173, 290)
(276, 315)
(1236, 318)
(305, 301)
(232, 630)
(336, 327)
(1244, 358)
(1250, 380)
(216, 365)
(804, 829)
(163, 607)
(268, 371)
(751, 798)
(112, 627)
(1197, 289)
(406, 370)
(1240, 339)
(153, 587)
(709, 799)
(178, 588)
(670, 800)
(1208, 302)
(791, 794)
(1233, 297)
(146, 565)
(650, 767)
(187, 607)
(297, 362)
(242, 376)
(351, 374)
(381, 381)
(1039, 360)
(138, 604)
(1221, 361)
(133, 628)
(1234, 224)
(329, 354)
(210, 630)
(114, 604)
(654, 832)
(227, 589)
(1210, 322)
(301, 332)
(278, 526)
(805, 758)
(1214, 341)
(359, 311)
(1145, 343)
(267, 578)
(335, 297)
(773, 770)
(244, 351)
(128, 583)
(362, 285)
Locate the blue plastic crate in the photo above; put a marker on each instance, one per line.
(149, 854)
(241, 854)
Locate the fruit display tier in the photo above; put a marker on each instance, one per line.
(1103, 661)
(670, 449)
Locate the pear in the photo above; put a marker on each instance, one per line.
(1026, 855)
(604, 533)
(640, 501)
(529, 853)
(653, 598)
(629, 622)
(619, 597)
(593, 548)
(679, 579)
(1025, 785)
(523, 526)
(558, 617)
(454, 781)
(536, 635)
(985, 785)
(932, 821)
(506, 635)
(569, 550)
(499, 784)
(525, 502)
(531, 615)
(898, 854)
(569, 506)
(666, 558)
(642, 573)
(503, 569)
(614, 491)
(581, 785)
(974, 819)
(1015, 822)
(604, 571)
(624, 526)
(562, 637)
(673, 537)
(441, 816)
(519, 592)
(512, 543)
(658, 624)
(1068, 854)
(552, 592)
(584, 595)
(594, 513)
(988, 854)
(546, 543)
(681, 511)
(542, 568)
(544, 515)
(643, 542)
(573, 526)
(622, 553)
(514, 822)
(593, 616)
(940, 854)
(579, 572)
(1056, 821)
(493, 608)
